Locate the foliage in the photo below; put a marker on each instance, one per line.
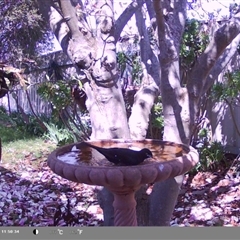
(157, 114)
(156, 124)
(58, 135)
(5, 119)
(14, 127)
(137, 69)
(67, 126)
(210, 156)
(31, 126)
(227, 89)
(9, 134)
(134, 61)
(122, 60)
(194, 42)
(57, 93)
(21, 27)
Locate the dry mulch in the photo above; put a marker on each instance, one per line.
(210, 198)
(38, 197)
(42, 198)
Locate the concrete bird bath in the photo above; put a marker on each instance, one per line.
(88, 166)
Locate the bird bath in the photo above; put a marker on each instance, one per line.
(90, 167)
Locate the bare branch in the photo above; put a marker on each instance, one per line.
(151, 13)
(147, 55)
(160, 19)
(59, 27)
(69, 15)
(221, 39)
(126, 16)
(221, 63)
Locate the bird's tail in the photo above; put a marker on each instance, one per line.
(86, 144)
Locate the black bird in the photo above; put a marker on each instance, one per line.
(123, 156)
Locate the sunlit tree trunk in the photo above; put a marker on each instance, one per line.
(94, 54)
(181, 104)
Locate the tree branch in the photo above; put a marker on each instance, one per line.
(221, 39)
(200, 71)
(125, 17)
(59, 27)
(148, 57)
(144, 98)
(143, 102)
(160, 19)
(221, 63)
(151, 13)
(69, 15)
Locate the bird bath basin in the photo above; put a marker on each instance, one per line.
(86, 165)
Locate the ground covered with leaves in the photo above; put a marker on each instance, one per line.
(32, 195)
(210, 198)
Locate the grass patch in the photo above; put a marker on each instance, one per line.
(26, 150)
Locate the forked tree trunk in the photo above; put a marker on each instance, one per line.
(95, 58)
(181, 105)
(94, 55)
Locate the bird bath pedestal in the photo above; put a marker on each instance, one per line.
(169, 160)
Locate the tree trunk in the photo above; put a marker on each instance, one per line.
(95, 59)
(170, 22)
(163, 200)
(145, 97)
(222, 37)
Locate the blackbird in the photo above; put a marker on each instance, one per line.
(123, 156)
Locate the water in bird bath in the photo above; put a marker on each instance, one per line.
(87, 156)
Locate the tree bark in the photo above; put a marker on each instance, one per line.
(170, 21)
(95, 59)
(126, 16)
(146, 95)
(221, 63)
(223, 36)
